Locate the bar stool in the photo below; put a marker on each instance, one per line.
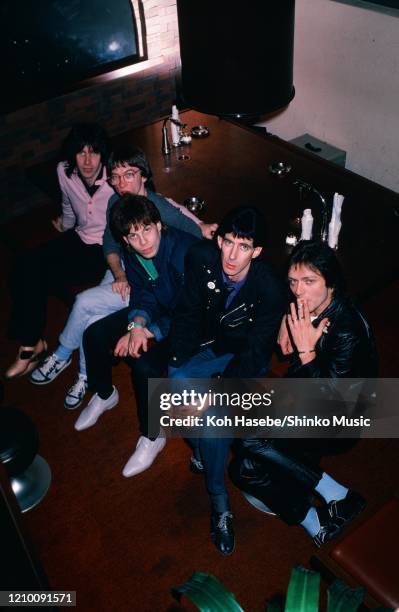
(29, 473)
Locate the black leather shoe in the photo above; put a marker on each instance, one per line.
(337, 515)
(222, 533)
(344, 510)
(328, 529)
(196, 466)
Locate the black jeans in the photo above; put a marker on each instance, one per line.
(48, 270)
(99, 340)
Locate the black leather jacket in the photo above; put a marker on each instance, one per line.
(247, 328)
(345, 350)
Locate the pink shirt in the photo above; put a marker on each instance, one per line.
(85, 213)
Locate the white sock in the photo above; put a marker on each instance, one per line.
(311, 522)
(330, 489)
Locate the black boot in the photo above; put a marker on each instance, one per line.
(335, 517)
(345, 510)
(222, 533)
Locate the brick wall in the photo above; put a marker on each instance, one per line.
(33, 134)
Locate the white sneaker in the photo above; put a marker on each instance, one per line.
(49, 370)
(94, 409)
(76, 393)
(144, 455)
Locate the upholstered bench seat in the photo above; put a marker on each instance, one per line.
(368, 556)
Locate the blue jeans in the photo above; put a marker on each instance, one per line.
(90, 306)
(213, 452)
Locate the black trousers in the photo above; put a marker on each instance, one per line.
(99, 340)
(46, 270)
(282, 473)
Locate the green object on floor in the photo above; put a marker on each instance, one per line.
(343, 599)
(208, 594)
(303, 595)
(303, 591)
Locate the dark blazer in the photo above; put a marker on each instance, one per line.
(247, 328)
(155, 300)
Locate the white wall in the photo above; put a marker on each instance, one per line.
(346, 76)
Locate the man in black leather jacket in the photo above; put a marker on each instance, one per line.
(328, 338)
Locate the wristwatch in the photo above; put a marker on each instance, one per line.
(133, 324)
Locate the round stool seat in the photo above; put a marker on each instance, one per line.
(30, 475)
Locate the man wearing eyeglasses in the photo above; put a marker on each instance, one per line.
(129, 173)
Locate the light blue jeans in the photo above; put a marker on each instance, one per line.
(90, 306)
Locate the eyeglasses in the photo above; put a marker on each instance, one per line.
(127, 176)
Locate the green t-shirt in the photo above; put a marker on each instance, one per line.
(148, 266)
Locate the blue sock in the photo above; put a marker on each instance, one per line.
(62, 352)
(330, 489)
(311, 522)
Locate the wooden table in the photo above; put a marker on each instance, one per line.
(230, 168)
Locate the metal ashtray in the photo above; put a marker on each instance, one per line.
(199, 131)
(194, 204)
(280, 168)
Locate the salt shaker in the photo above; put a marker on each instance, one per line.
(175, 129)
(307, 224)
